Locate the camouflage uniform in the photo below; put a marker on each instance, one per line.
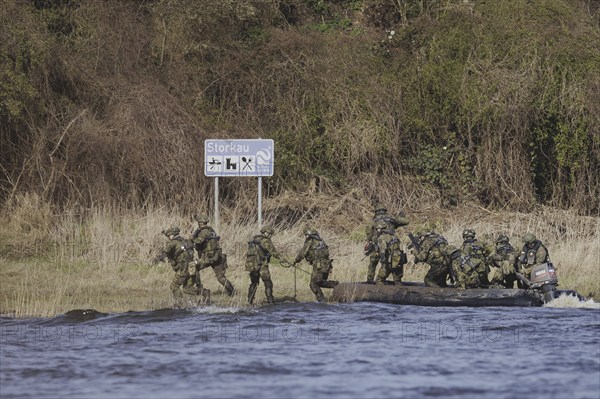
(533, 253)
(180, 253)
(392, 258)
(392, 224)
(210, 254)
(433, 251)
(316, 252)
(473, 262)
(260, 251)
(503, 258)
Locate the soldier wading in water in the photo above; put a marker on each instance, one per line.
(207, 244)
(260, 251)
(316, 252)
(180, 254)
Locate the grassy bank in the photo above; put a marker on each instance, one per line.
(55, 263)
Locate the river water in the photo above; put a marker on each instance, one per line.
(306, 350)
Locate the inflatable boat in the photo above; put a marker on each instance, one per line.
(541, 289)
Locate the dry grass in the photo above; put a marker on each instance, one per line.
(55, 263)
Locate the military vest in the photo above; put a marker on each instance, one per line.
(435, 244)
(257, 253)
(504, 250)
(181, 252)
(389, 221)
(528, 255)
(318, 249)
(210, 241)
(474, 249)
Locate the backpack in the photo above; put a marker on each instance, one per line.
(256, 252)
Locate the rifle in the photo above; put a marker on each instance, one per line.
(369, 248)
(414, 242)
(161, 257)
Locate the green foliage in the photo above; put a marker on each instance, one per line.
(510, 88)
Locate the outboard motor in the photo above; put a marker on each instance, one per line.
(543, 277)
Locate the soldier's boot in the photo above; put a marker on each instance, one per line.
(381, 277)
(269, 292)
(320, 297)
(397, 274)
(178, 301)
(205, 294)
(191, 290)
(177, 296)
(229, 288)
(220, 273)
(251, 293)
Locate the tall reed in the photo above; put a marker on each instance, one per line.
(103, 261)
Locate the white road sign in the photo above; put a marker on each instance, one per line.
(252, 157)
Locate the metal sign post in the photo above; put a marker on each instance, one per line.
(236, 158)
(259, 202)
(216, 204)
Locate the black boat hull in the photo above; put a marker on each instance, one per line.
(421, 295)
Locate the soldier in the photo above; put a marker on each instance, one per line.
(473, 256)
(316, 252)
(432, 249)
(392, 224)
(392, 258)
(207, 244)
(533, 253)
(503, 258)
(463, 273)
(180, 253)
(260, 251)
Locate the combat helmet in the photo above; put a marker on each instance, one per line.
(267, 230)
(202, 218)
(501, 238)
(529, 238)
(380, 208)
(310, 231)
(172, 231)
(468, 233)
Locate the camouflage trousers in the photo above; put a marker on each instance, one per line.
(219, 267)
(505, 275)
(437, 275)
(182, 279)
(395, 267)
(260, 273)
(465, 279)
(319, 278)
(373, 261)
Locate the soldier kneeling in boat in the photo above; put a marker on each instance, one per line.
(316, 252)
(469, 265)
(532, 254)
(431, 248)
(503, 258)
